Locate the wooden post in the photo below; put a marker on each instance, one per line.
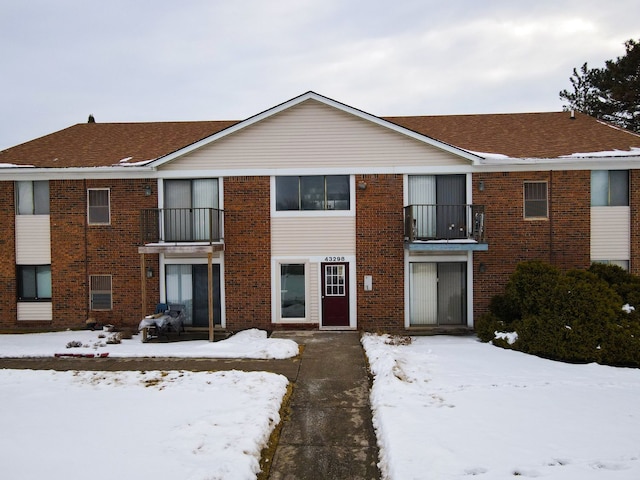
(143, 280)
(210, 294)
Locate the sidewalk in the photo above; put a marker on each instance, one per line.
(329, 434)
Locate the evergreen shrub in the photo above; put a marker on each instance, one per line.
(575, 316)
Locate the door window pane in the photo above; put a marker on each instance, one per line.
(292, 291)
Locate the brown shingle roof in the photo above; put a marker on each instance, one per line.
(518, 135)
(523, 135)
(105, 144)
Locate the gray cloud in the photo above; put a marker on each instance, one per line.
(199, 59)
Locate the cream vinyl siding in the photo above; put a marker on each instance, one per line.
(313, 236)
(35, 311)
(610, 233)
(312, 135)
(33, 240)
(313, 307)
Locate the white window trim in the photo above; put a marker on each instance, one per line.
(524, 200)
(89, 222)
(276, 313)
(429, 258)
(315, 213)
(110, 293)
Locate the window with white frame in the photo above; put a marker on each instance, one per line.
(609, 188)
(34, 283)
(292, 290)
(32, 197)
(313, 192)
(98, 210)
(100, 295)
(535, 200)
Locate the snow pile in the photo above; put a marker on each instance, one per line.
(510, 337)
(159, 425)
(628, 308)
(251, 343)
(452, 407)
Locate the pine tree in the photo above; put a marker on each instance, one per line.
(611, 93)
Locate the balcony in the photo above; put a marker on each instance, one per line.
(444, 227)
(184, 228)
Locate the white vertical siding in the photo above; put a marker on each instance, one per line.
(35, 311)
(312, 135)
(610, 233)
(313, 236)
(33, 240)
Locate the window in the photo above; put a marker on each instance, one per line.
(624, 264)
(535, 200)
(316, 192)
(32, 198)
(98, 206)
(292, 291)
(100, 292)
(34, 283)
(609, 188)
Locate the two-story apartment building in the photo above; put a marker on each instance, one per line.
(312, 214)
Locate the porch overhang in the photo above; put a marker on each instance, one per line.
(446, 246)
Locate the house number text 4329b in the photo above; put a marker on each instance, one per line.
(334, 259)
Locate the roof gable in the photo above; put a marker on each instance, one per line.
(331, 103)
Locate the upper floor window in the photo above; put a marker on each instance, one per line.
(610, 188)
(535, 200)
(315, 192)
(34, 283)
(32, 198)
(98, 211)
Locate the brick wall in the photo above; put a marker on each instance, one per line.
(380, 252)
(634, 202)
(79, 250)
(8, 287)
(562, 240)
(247, 256)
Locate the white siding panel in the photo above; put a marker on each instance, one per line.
(313, 236)
(610, 233)
(35, 311)
(312, 135)
(313, 307)
(33, 240)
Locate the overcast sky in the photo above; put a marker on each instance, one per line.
(159, 60)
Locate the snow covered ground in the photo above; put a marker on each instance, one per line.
(133, 425)
(444, 408)
(452, 407)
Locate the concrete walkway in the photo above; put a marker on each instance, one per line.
(329, 434)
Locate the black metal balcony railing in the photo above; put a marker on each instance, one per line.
(181, 225)
(444, 222)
